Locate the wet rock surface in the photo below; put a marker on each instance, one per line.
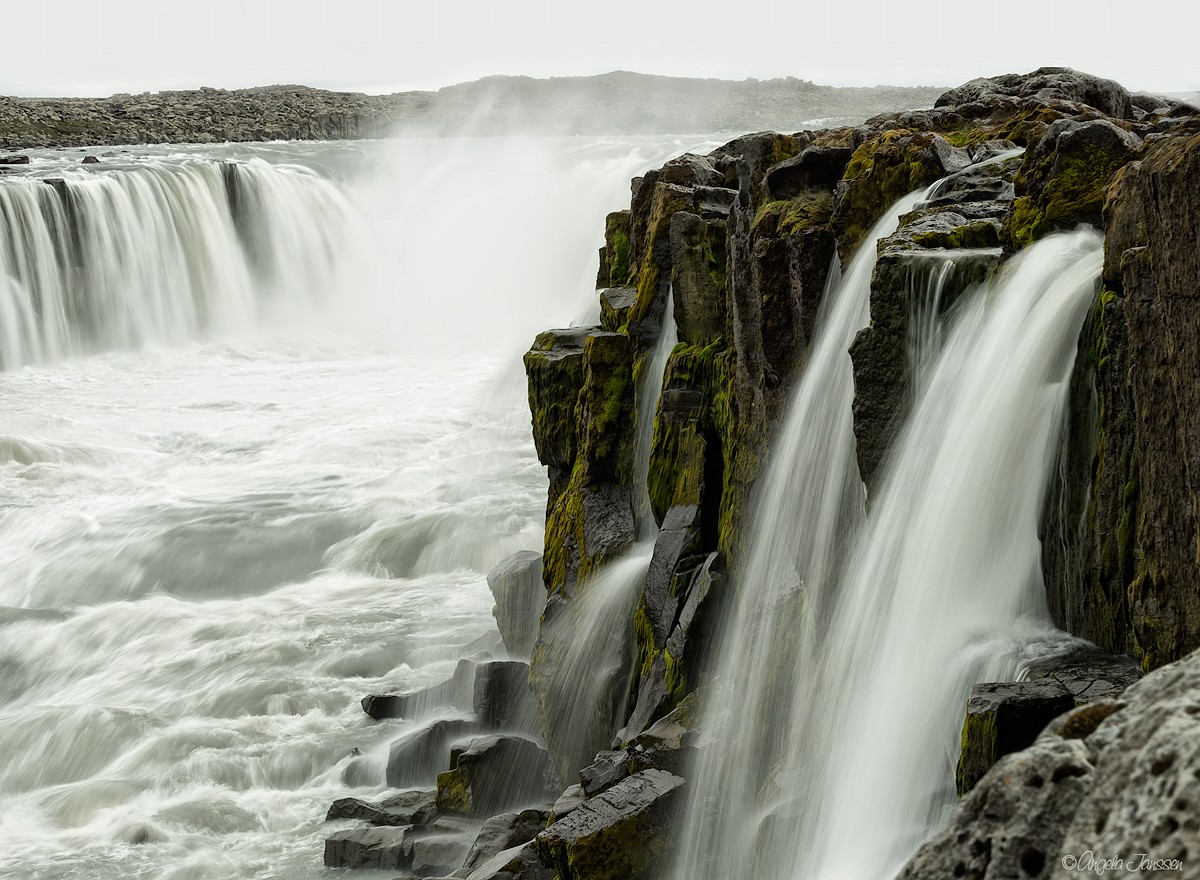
(496, 773)
(516, 585)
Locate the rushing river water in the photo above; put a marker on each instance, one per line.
(216, 536)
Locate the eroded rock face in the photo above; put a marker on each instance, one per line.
(1121, 531)
(1109, 779)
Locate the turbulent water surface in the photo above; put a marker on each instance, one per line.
(265, 477)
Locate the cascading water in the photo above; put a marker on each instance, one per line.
(860, 676)
(587, 688)
(159, 254)
(813, 505)
(211, 551)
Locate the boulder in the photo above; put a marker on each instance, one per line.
(380, 848)
(714, 202)
(1062, 181)
(1108, 780)
(454, 693)
(1005, 717)
(435, 855)
(420, 756)
(883, 169)
(406, 808)
(614, 256)
(494, 774)
(620, 834)
(568, 801)
(500, 833)
(608, 769)
(14, 160)
(516, 585)
(1012, 824)
(1089, 673)
(503, 700)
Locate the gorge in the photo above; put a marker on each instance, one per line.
(866, 503)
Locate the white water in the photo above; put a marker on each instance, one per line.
(211, 550)
(855, 679)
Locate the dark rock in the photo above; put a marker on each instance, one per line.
(698, 278)
(615, 303)
(500, 833)
(554, 368)
(1046, 84)
(516, 585)
(437, 854)
(816, 167)
(1120, 530)
(675, 730)
(1005, 717)
(691, 170)
(454, 693)
(380, 848)
(1062, 180)
(496, 773)
(518, 863)
(406, 808)
(608, 769)
(620, 834)
(614, 256)
(90, 160)
(420, 756)
(14, 160)
(714, 202)
(883, 374)
(1012, 824)
(1090, 674)
(502, 697)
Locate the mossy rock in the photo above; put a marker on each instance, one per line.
(554, 369)
(1064, 180)
(779, 219)
(882, 170)
(614, 256)
(620, 834)
(655, 204)
(615, 303)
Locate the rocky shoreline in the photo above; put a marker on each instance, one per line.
(615, 103)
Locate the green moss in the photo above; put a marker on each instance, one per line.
(643, 633)
(454, 792)
(1023, 222)
(676, 679)
(976, 234)
(786, 216)
(979, 750)
(618, 273)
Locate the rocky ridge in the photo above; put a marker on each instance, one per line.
(613, 103)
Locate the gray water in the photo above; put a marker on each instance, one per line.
(221, 527)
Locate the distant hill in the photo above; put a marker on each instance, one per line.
(613, 103)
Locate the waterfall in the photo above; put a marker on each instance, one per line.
(834, 723)
(158, 253)
(588, 686)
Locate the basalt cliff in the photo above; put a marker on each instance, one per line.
(728, 255)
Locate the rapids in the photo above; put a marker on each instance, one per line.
(268, 480)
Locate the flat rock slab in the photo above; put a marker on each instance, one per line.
(496, 773)
(617, 835)
(381, 848)
(1005, 717)
(406, 808)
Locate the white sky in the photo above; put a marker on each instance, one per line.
(97, 47)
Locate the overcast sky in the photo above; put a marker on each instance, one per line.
(98, 47)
